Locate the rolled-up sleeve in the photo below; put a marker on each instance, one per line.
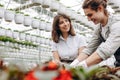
(94, 42)
(109, 47)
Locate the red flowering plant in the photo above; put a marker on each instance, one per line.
(52, 71)
(45, 71)
(30, 76)
(64, 75)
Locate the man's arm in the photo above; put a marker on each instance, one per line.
(93, 59)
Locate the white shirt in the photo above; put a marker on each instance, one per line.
(68, 49)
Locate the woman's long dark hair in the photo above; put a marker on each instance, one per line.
(55, 27)
(94, 4)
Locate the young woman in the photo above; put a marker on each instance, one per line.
(106, 39)
(66, 44)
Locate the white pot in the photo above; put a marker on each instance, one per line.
(19, 18)
(27, 21)
(47, 41)
(37, 1)
(69, 12)
(16, 44)
(22, 36)
(33, 38)
(9, 15)
(2, 10)
(38, 40)
(42, 25)
(54, 6)
(42, 40)
(28, 37)
(9, 33)
(35, 23)
(15, 35)
(48, 27)
(2, 32)
(62, 9)
(46, 3)
(111, 2)
(73, 16)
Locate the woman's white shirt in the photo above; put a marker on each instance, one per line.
(68, 49)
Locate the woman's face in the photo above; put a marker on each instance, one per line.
(64, 25)
(94, 16)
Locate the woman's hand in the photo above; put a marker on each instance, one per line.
(57, 61)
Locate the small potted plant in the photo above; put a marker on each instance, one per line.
(46, 3)
(33, 38)
(19, 17)
(22, 36)
(37, 39)
(2, 10)
(62, 9)
(37, 2)
(15, 34)
(9, 15)
(28, 37)
(9, 33)
(27, 20)
(2, 32)
(54, 6)
(35, 23)
(42, 25)
(48, 27)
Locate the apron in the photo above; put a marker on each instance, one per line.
(116, 54)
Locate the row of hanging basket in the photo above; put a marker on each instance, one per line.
(26, 20)
(24, 36)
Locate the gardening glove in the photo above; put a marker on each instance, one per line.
(83, 64)
(74, 63)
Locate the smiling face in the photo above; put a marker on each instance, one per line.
(64, 25)
(94, 16)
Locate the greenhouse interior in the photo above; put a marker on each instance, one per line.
(25, 40)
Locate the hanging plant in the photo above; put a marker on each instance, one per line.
(46, 3)
(22, 36)
(42, 25)
(48, 27)
(33, 38)
(9, 33)
(37, 2)
(28, 37)
(27, 20)
(9, 15)
(15, 34)
(54, 6)
(35, 23)
(2, 10)
(2, 32)
(19, 17)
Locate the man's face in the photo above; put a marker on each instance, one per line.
(92, 15)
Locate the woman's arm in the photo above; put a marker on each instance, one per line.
(56, 57)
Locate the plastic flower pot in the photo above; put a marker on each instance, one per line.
(54, 6)
(2, 11)
(19, 18)
(9, 15)
(27, 21)
(35, 23)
